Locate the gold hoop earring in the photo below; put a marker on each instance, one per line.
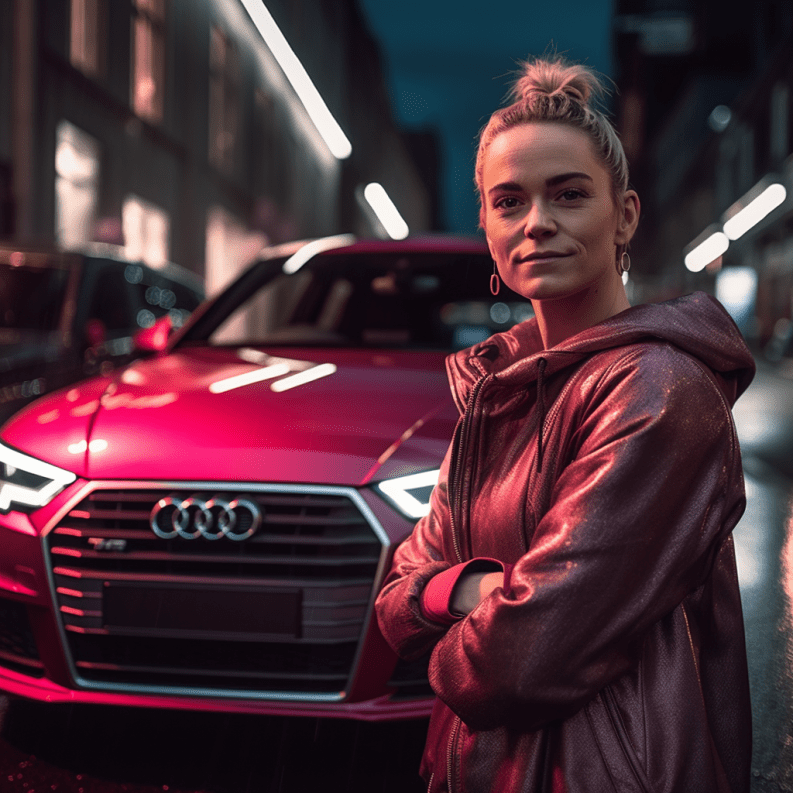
(625, 263)
(495, 281)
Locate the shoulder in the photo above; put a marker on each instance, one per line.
(655, 378)
(655, 363)
(655, 396)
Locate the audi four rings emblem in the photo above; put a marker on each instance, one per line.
(212, 519)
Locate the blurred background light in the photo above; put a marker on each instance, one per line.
(316, 108)
(707, 251)
(719, 118)
(755, 211)
(736, 290)
(386, 211)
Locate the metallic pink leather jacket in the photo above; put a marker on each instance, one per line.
(607, 472)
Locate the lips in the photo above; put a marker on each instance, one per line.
(542, 256)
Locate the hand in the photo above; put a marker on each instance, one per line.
(472, 588)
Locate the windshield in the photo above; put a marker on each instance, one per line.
(31, 298)
(409, 301)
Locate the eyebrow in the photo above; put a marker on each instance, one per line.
(552, 182)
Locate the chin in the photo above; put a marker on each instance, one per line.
(547, 288)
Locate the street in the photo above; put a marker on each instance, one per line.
(764, 547)
(103, 750)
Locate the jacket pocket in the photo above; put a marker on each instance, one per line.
(615, 745)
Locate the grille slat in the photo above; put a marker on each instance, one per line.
(154, 556)
(359, 538)
(318, 550)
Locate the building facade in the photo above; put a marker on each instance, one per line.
(169, 127)
(704, 110)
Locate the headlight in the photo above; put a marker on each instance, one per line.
(28, 483)
(410, 494)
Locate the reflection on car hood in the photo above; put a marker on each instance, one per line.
(195, 415)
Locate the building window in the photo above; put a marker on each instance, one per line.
(224, 100)
(76, 185)
(148, 58)
(84, 38)
(147, 230)
(230, 247)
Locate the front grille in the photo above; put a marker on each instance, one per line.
(17, 646)
(280, 612)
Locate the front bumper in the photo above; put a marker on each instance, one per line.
(322, 550)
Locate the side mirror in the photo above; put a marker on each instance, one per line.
(155, 338)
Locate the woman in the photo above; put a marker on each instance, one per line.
(575, 578)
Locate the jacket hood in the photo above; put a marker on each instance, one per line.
(697, 324)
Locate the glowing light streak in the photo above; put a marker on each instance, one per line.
(248, 378)
(96, 445)
(755, 211)
(318, 112)
(398, 491)
(707, 251)
(311, 249)
(386, 211)
(301, 378)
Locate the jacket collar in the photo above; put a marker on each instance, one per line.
(696, 323)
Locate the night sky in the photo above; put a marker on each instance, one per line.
(449, 62)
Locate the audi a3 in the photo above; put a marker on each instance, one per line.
(208, 527)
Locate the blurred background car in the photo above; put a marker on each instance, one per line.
(66, 316)
(208, 527)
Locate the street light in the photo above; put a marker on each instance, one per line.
(318, 112)
(386, 211)
(755, 211)
(707, 251)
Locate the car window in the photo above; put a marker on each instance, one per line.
(155, 295)
(109, 301)
(31, 297)
(413, 302)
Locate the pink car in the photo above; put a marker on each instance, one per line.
(208, 527)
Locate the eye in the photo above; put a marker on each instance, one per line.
(506, 202)
(572, 194)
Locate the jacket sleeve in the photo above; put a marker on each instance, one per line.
(416, 560)
(635, 520)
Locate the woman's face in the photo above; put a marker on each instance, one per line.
(549, 214)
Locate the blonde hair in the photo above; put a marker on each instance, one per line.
(564, 93)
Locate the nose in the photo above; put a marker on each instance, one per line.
(539, 222)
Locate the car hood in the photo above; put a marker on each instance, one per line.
(195, 415)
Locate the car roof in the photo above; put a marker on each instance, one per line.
(348, 244)
(50, 256)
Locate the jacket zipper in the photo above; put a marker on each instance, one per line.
(432, 779)
(460, 454)
(619, 730)
(450, 754)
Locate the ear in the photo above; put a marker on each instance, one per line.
(629, 218)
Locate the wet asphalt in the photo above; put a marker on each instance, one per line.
(88, 749)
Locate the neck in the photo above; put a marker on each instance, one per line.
(564, 317)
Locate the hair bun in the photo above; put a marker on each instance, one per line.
(555, 78)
